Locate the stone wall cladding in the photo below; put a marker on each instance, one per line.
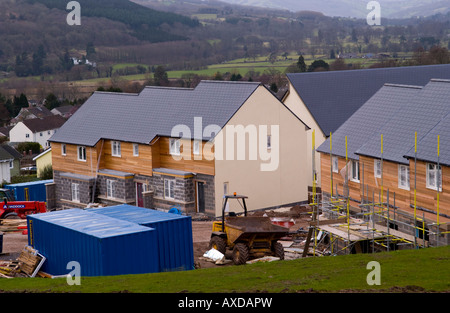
(63, 190)
(209, 189)
(125, 191)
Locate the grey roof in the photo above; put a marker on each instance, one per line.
(421, 115)
(333, 96)
(5, 155)
(427, 146)
(368, 119)
(13, 152)
(44, 123)
(154, 112)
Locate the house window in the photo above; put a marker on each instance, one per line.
(75, 192)
(432, 176)
(115, 147)
(40, 134)
(169, 188)
(377, 168)
(11, 164)
(355, 171)
(269, 141)
(48, 132)
(335, 164)
(225, 188)
(196, 147)
(27, 135)
(174, 146)
(81, 153)
(63, 149)
(135, 149)
(110, 188)
(403, 177)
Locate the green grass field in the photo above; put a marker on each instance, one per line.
(425, 270)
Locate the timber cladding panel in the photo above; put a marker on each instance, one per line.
(203, 166)
(69, 162)
(404, 199)
(389, 183)
(150, 156)
(427, 197)
(141, 164)
(338, 178)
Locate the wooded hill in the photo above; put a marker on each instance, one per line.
(144, 22)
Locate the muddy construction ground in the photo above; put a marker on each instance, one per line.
(14, 242)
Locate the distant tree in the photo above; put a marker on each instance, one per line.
(35, 147)
(235, 77)
(160, 76)
(16, 104)
(51, 101)
(274, 87)
(90, 51)
(332, 54)
(66, 61)
(319, 65)
(338, 65)
(301, 65)
(218, 76)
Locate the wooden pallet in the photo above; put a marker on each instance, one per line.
(29, 260)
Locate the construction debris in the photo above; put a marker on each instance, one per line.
(11, 225)
(27, 264)
(216, 257)
(263, 260)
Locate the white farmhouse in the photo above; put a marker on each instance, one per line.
(36, 130)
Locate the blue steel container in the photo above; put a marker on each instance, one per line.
(174, 233)
(102, 245)
(30, 191)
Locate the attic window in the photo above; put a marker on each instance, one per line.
(434, 176)
(335, 164)
(196, 147)
(174, 146)
(377, 168)
(403, 177)
(355, 171)
(81, 153)
(115, 148)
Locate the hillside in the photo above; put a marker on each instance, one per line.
(352, 8)
(107, 23)
(142, 20)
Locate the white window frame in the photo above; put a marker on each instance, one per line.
(432, 182)
(377, 168)
(75, 192)
(110, 188)
(352, 178)
(225, 188)
(335, 164)
(403, 170)
(174, 146)
(135, 149)
(27, 135)
(169, 188)
(83, 157)
(196, 147)
(63, 149)
(11, 164)
(116, 149)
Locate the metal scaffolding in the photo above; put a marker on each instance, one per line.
(341, 225)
